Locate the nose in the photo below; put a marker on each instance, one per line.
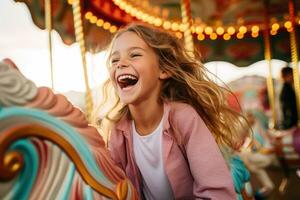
(122, 64)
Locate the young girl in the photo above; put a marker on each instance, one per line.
(168, 118)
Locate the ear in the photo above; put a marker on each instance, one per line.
(164, 75)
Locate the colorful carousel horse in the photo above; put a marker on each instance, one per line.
(47, 148)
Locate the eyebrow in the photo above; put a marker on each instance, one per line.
(129, 49)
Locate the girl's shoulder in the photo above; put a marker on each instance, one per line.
(184, 119)
(183, 115)
(179, 109)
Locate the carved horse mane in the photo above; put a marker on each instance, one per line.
(47, 148)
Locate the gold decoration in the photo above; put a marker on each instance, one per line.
(186, 21)
(80, 39)
(48, 22)
(294, 54)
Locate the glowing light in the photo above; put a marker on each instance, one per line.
(113, 29)
(70, 2)
(254, 34)
(175, 26)
(275, 26)
(122, 5)
(99, 22)
(182, 27)
(199, 29)
(208, 30)
(88, 15)
(226, 36)
(273, 32)
(290, 29)
(150, 20)
(106, 25)
(288, 24)
(193, 29)
(93, 19)
(239, 35)
(178, 35)
(128, 8)
(201, 36)
(139, 14)
(220, 30)
(167, 25)
(213, 36)
(243, 29)
(255, 29)
(231, 30)
(144, 17)
(158, 22)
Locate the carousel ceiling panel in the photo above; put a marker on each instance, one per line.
(101, 18)
(215, 12)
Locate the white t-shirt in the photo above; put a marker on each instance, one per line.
(148, 155)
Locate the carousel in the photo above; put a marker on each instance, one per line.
(50, 149)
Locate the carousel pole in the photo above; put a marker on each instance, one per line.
(268, 56)
(294, 55)
(48, 22)
(187, 22)
(80, 39)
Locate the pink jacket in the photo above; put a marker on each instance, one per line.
(196, 169)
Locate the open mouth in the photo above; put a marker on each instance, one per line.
(126, 80)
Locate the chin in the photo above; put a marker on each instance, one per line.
(126, 100)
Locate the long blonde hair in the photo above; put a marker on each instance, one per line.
(188, 83)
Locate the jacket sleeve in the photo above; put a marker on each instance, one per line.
(116, 149)
(212, 178)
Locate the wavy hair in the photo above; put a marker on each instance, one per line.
(188, 83)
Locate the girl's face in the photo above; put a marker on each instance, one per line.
(135, 70)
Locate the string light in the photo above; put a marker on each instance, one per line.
(213, 36)
(106, 25)
(254, 34)
(93, 19)
(231, 30)
(178, 35)
(288, 24)
(275, 26)
(255, 29)
(220, 30)
(239, 35)
(208, 30)
(226, 36)
(175, 26)
(100, 22)
(199, 29)
(243, 29)
(167, 25)
(273, 32)
(201, 36)
(88, 15)
(178, 26)
(113, 29)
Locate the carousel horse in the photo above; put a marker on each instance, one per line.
(47, 148)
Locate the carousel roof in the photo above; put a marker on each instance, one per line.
(223, 30)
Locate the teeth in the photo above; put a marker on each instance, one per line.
(126, 76)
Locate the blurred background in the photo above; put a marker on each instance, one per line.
(245, 43)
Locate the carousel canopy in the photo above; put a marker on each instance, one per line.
(230, 31)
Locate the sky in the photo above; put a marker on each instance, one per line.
(27, 46)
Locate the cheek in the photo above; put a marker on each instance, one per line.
(112, 73)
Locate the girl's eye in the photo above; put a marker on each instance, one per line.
(135, 55)
(114, 61)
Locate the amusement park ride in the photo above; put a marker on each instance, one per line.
(49, 150)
